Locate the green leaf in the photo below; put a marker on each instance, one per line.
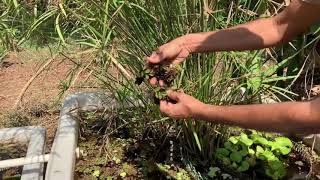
(251, 151)
(315, 28)
(282, 144)
(226, 161)
(195, 135)
(269, 155)
(254, 83)
(275, 165)
(157, 89)
(255, 80)
(226, 176)
(245, 140)
(234, 165)
(222, 152)
(15, 3)
(213, 171)
(231, 147)
(283, 141)
(116, 160)
(63, 10)
(259, 149)
(123, 174)
(233, 139)
(236, 157)
(243, 167)
(276, 169)
(259, 139)
(182, 175)
(244, 150)
(259, 153)
(96, 173)
(59, 29)
(281, 78)
(284, 150)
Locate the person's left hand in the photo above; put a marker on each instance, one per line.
(185, 107)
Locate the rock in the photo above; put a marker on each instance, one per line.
(312, 140)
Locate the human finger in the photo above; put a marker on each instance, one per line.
(164, 107)
(173, 95)
(153, 81)
(161, 83)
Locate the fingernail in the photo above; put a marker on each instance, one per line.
(161, 83)
(153, 54)
(164, 102)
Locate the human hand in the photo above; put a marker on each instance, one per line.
(185, 107)
(173, 53)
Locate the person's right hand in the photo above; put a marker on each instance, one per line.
(173, 53)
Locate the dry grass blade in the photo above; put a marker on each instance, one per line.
(118, 65)
(25, 88)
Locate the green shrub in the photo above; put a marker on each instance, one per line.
(245, 151)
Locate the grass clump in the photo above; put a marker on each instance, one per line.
(15, 119)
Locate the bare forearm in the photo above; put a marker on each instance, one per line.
(257, 34)
(254, 35)
(282, 117)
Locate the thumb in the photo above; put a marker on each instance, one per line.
(154, 58)
(158, 56)
(173, 95)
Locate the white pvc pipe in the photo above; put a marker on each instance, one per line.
(36, 136)
(62, 160)
(24, 161)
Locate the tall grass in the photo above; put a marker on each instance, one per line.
(120, 34)
(216, 78)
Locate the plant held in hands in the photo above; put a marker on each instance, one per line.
(167, 73)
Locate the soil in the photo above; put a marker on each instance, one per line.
(10, 150)
(40, 103)
(16, 72)
(40, 100)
